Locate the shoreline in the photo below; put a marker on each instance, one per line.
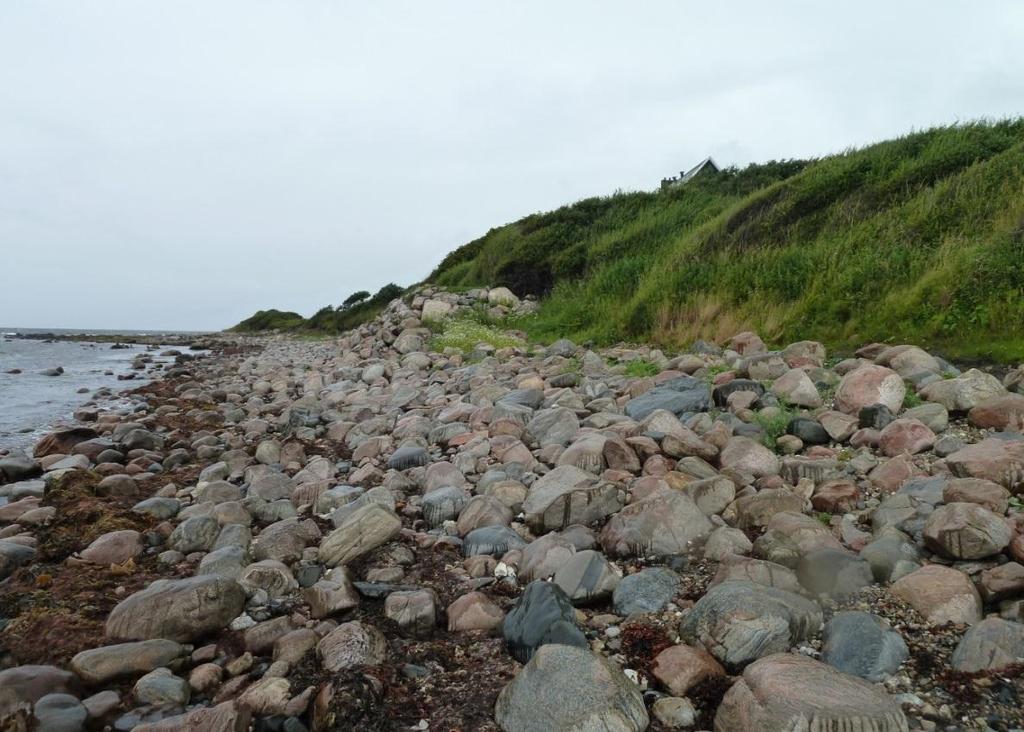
(177, 340)
(95, 377)
(362, 517)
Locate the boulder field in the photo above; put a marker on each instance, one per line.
(375, 532)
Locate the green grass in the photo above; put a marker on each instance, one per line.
(712, 371)
(773, 426)
(917, 239)
(572, 365)
(912, 399)
(641, 367)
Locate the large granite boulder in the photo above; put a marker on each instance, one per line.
(181, 610)
(991, 645)
(569, 495)
(940, 595)
(1001, 412)
(965, 392)
(739, 622)
(664, 523)
(862, 644)
(62, 441)
(995, 459)
(359, 533)
(868, 385)
(681, 395)
(569, 689)
(966, 531)
(787, 692)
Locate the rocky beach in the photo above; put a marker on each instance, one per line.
(386, 531)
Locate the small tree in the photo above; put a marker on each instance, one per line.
(388, 293)
(355, 297)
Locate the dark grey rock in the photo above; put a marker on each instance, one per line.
(196, 534)
(875, 416)
(555, 426)
(530, 398)
(158, 507)
(493, 540)
(542, 614)
(833, 572)
(862, 644)
(228, 561)
(647, 591)
(443, 504)
(60, 713)
(890, 557)
(809, 431)
(701, 346)
(723, 391)
(19, 467)
(562, 347)
(408, 456)
(12, 556)
(587, 577)
(681, 395)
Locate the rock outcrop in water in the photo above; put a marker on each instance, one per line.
(380, 532)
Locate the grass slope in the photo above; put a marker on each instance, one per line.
(916, 239)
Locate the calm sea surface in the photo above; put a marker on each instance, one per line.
(30, 403)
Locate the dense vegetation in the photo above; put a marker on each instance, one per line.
(358, 308)
(916, 239)
(270, 320)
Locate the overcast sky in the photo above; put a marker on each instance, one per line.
(181, 164)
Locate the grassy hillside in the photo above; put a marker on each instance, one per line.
(916, 239)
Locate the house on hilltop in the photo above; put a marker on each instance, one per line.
(704, 167)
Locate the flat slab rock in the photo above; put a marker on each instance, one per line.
(787, 692)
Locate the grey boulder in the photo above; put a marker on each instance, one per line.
(739, 622)
(180, 610)
(862, 644)
(568, 689)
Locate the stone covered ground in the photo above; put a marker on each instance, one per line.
(367, 534)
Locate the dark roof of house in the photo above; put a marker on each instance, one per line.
(699, 167)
